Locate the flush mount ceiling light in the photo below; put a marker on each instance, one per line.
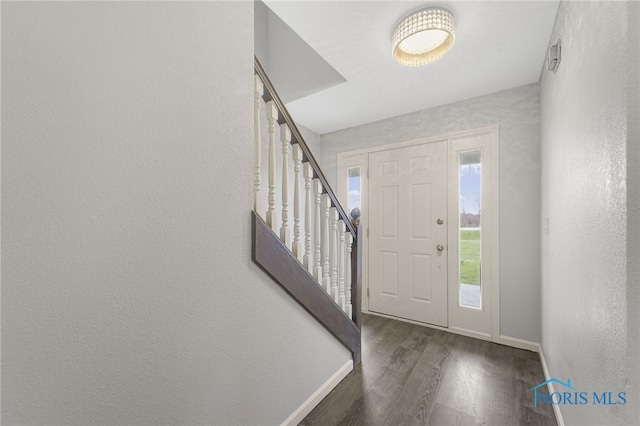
(423, 36)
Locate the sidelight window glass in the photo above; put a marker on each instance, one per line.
(470, 235)
(354, 196)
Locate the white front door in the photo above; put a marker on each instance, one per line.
(408, 232)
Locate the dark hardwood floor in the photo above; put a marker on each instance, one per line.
(413, 375)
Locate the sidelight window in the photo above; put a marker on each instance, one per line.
(470, 229)
(354, 196)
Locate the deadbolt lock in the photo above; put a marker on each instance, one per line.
(439, 247)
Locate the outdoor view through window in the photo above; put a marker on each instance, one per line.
(470, 229)
(470, 235)
(353, 189)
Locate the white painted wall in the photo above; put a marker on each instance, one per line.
(633, 205)
(313, 142)
(295, 68)
(586, 330)
(261, 33)
(128, 292)
(517, 112)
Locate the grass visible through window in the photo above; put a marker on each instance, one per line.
(470, 256)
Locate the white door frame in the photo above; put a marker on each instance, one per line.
(491, 270)
(348, 160)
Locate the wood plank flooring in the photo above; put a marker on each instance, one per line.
(413, 375)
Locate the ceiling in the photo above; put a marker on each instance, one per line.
(498, 46)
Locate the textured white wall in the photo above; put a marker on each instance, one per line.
(584, 282)
(261, 33)
(294, 68)
(633, 207)
(313, 142)
(128, 293)
(517, 112)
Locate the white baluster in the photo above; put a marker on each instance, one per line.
(285, 138)
(333, 255)
(341, 261)
(272, 117)
(326, 228)
(257, 151)
(308, 176)
(348, 303)
(297, 166)
(317, 189)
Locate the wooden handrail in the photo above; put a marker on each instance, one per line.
(323, 296)
(270, 94)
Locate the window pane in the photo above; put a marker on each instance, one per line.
(353, 189)
(470, 241)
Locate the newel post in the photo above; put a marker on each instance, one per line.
(356, 270)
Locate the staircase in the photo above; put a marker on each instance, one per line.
(315, 256)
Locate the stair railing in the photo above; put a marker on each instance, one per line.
(317, 232)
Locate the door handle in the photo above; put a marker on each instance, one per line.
(439, 247)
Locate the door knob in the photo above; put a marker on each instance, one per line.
(439, 247)
(440, 221)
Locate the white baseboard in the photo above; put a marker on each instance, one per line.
(535, 347)
(470, 333)
(453, 330)
(306, 407)
(547, 376)
(519, 343)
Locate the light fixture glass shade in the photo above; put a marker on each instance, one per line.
(423, 36)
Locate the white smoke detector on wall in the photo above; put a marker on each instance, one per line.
(553, 57)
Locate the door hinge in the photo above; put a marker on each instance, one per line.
(367, 232)
(367, 173)
(367, 292)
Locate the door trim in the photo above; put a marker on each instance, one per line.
(360, 157)
(346, 160)
(485, 320)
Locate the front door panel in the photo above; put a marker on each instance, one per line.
(408, 233)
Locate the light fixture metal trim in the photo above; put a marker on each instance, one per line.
(417, 24)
